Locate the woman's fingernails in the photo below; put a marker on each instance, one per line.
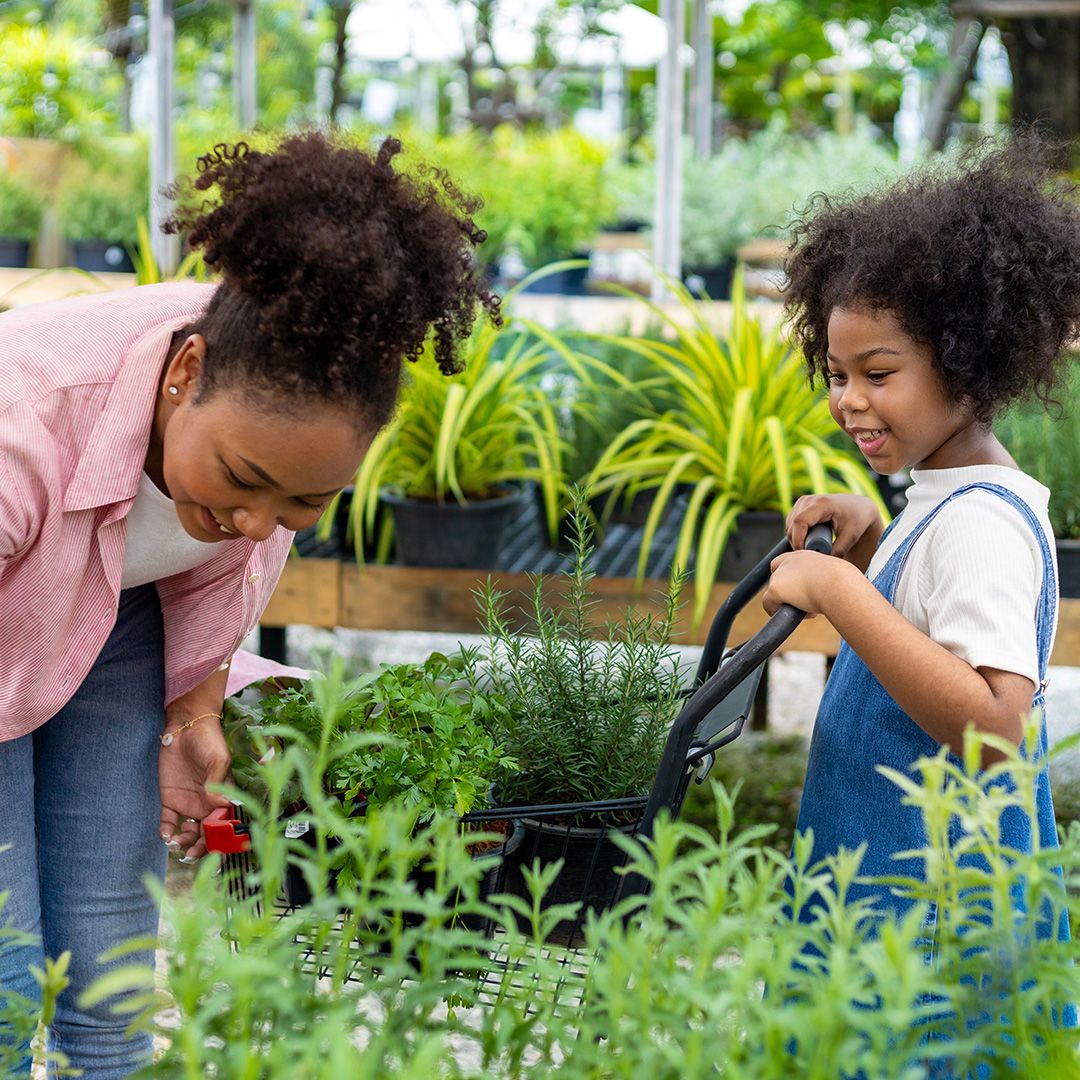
(188, 860)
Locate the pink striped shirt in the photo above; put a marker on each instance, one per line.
(78, 385)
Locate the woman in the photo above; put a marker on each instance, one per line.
(159, 447)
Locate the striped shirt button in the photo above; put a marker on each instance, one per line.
(253, 578)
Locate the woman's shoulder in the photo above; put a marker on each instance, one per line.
(84, 339)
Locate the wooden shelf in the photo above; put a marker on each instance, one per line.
(329, 593)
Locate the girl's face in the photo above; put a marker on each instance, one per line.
(233, 471)
(886, 393)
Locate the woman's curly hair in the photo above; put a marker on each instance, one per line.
(335, 266)
(980, 260)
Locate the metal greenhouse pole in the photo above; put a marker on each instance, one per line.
(669, 131)
(702, 93)
(162, 153)
(244, 62)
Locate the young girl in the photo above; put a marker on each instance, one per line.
(159, 447)
(927, 309)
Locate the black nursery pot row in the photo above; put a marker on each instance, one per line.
(577, 834)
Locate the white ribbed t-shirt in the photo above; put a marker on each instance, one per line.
(972, 580)
(157, 545)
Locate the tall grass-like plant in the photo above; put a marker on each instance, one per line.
(147, 269)
(467, 436)
(708, 977)
(748, 433)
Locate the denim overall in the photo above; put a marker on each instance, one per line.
(846, 801)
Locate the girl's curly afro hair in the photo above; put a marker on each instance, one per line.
(335, 266)
(980, 261)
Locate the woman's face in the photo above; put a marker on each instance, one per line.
(232, 470)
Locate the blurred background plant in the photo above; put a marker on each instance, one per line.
(1047, 446)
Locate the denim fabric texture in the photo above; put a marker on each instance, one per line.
(79, 807)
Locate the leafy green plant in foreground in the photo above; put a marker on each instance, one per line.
(711, 977)
(426, 743)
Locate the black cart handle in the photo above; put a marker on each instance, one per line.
(819, 538)
(714, 683)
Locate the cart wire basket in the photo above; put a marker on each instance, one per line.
(586, 866)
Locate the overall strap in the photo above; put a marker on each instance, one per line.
(1045, 612)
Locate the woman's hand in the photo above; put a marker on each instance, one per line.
(197, 756)
(855, 520)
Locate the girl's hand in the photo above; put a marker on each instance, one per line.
(196, 757)
(855, 520)
(805, 580)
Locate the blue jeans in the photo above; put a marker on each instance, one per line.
(79, 808)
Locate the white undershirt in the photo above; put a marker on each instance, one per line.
(157, 545)
(971, 581)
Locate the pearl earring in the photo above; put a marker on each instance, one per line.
(174, 390)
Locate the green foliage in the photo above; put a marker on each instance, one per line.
(467, 436)
(544, 192)
(756, 186)
(710, 977)
(103, 201)
(20, 208)
(46, 90)
(586, 720)
(149, 272)
(748, 432)
(424, 740)
(1046, 445)
(19, 1016)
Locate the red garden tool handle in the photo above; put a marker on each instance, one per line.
(224, 833)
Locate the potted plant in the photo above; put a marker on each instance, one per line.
(747, 436)
(584, 719)
(451, 465)
(99, 212)
(1047, 447)
(20, 220)
(617, 387)
(409, 734)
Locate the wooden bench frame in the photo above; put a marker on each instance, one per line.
(330, 593)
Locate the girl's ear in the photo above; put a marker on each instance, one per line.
(184, 369)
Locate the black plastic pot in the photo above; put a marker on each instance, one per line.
(101, 256)
(1068, 558)
(493, 860)
(451, 535)
(712, 281)
(756, 533)
(591, 860)
(634, 512)
(571, 282)
(14, 252)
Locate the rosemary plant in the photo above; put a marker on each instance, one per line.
(585, 719)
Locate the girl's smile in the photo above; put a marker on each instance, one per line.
(887, 393)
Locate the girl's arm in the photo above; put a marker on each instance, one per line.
(938, 690)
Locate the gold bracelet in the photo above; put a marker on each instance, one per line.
(168, 736)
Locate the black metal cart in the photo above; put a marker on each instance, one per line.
(713, 714)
